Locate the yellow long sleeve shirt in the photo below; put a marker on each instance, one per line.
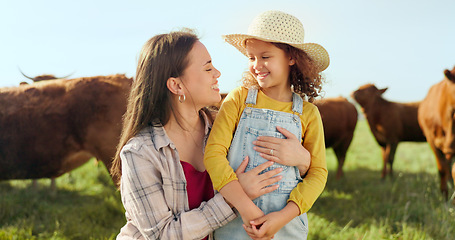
(215, 157)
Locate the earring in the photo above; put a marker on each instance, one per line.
(180, 98)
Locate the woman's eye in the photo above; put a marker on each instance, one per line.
(265, 57)
(208, 70)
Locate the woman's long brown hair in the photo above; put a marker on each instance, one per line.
(149, 102)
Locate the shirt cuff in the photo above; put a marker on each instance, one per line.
(223, 210)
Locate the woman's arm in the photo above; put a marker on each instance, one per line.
(150, 204)
(235, 195)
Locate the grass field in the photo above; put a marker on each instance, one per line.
(360, 206)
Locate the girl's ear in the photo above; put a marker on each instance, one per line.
(174, 85)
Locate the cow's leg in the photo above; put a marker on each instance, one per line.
(453, 182)
(341, 158)
(53, 191)
(451, 166)
(446, 175)
(449, 151)
(34, 184)
(53, 185)
(340, 151)
(453, 174)
(385, 156)
(393, 149)
(443, 169)
(106, 158)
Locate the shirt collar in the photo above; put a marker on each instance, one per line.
(207, 121)
(161, 139)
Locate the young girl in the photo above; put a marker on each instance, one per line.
(282, 70)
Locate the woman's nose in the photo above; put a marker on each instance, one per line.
(217, 73)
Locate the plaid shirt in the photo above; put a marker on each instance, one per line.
(153, 192)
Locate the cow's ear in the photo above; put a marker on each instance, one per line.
(381, 91)
(174, 85)
(449, 75)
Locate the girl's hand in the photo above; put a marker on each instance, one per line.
(255, 184)
(289, 151)
(252, 234)
(265, 227)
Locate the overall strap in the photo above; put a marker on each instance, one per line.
(252, 96)
(297, 103)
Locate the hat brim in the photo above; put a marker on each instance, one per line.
(316, 52)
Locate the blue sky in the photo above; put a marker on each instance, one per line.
(404, 45)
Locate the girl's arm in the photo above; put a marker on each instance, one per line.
(312, 185)
(144, 199)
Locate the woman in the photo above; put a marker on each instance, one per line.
(166, 192)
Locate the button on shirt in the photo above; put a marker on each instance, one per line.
(154, 195)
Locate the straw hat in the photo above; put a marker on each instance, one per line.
(280, 27)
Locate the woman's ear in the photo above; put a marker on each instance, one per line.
(175, 85)
(291, 62)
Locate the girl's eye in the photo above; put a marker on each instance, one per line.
(208, 70)
(265, 57)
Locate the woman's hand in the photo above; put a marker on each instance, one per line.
(289, 151)
(255, 184)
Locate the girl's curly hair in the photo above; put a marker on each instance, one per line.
(304, 77)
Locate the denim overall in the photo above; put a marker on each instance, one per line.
(256, 122)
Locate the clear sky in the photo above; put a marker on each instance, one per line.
(404, 45)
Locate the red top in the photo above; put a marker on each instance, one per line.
(198, 186)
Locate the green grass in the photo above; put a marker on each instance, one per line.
(359, 206)
(85, 206)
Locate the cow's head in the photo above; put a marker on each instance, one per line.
(450, 75)
(450, 87)
(39, 78)
(43, 77)
(367, 93)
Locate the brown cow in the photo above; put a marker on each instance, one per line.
(437, 119)
(339, 118)
(51, 127)
(390, 122)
